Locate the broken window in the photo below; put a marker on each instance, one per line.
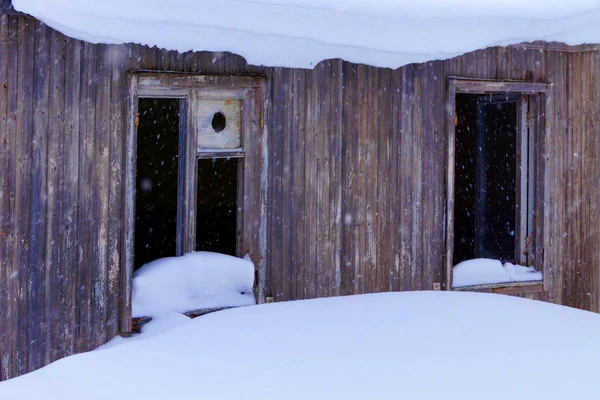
(492, 186)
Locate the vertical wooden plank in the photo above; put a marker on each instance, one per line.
(503, 64)
(300, 182)
(587, 158)
(127, 244)
(261, 132)
(5, 268)
(382, 213)
(470, 65)
(323, 243)
(10, 359)
(522, 194)
(594, 176)
(54, 282)
(450, 145)
(349, 163)
(428, 183)
(310, 281)
(372, 185)
(275, 274)
(175, 60)
(289, 278)
(395, 177)
(438, 103)
(87, 224)
(492, 62)
(582, 287)
(406, 183)
(188, 61)
(370, 113)
(282, 282)
(559, 142)
(335, 188)
(37, 326)
(161, 58)
(547, 182)
(569, 261)
(417, 179)
(101, 181)
(117, 128)
(70, 172)
(363, 161)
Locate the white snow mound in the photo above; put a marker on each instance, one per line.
(414, 345)
(484, 271)
(300, 33)
(194, 281)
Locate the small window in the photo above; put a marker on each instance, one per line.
(492, 179)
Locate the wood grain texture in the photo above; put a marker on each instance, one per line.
(5, 270)
(355, 184)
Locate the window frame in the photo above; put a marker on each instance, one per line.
(190, 88)
(532, 131)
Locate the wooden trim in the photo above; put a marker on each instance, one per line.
(175, 80)
(544, 200)
(190, 177)
(184, 108)
(535, 137)
(221, 154)
(483, 86)
(450, 153)
(539, 131)
(264, 185)
(505, 288)
(522, 210)
(190, 88)
(129, 209)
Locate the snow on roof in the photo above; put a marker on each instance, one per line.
(301, 33)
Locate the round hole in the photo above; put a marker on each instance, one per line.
(219, 122)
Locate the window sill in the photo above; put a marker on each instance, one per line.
(505, 288)
(138, 322)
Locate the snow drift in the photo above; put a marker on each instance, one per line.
(300, 33)
(483, 271)
(194, 281)
(415, 345)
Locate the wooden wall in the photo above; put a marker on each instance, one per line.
(356, 179)
(358, 161)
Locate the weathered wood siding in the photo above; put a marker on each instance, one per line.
(358, 161)
(356, 179)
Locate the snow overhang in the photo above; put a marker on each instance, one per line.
(301, 33)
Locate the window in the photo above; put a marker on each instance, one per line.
(195, 172)
(494, 135)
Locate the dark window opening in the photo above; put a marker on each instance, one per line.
(216, 223)
(485, 204)
(156, 180)
(219, 122)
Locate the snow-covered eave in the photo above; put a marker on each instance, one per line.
(288, 33)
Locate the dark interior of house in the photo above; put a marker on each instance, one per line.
(156, 180)
(485, 177)
(216, 223)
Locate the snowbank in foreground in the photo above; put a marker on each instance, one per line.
(484, 271)
(190, 282)
(300, 33)
(414, 345)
